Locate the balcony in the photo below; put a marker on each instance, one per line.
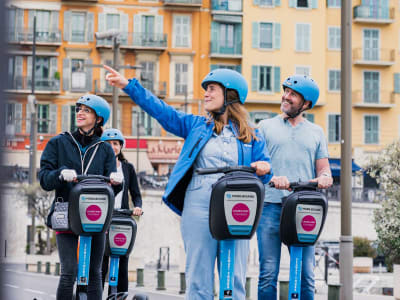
(373, 99)
(183, 3)
(138, 40)
(159, 88)
(42, 85)
(374, 57)
(25, 36)
(361, 194)
(219, 50)
(231, 6)
(367, 14)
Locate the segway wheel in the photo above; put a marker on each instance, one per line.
(140, 297)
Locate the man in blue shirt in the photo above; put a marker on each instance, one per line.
(298, 151)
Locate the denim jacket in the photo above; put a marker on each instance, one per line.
(196, 131)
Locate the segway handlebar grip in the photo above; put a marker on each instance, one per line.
(122, 211)
(203, 171)
(83, 177)
(297, 184)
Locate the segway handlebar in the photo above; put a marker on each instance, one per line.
(204, 171)
(83, 177)
(299, 184)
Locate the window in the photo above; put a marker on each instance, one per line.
(43, 115)
(266, 3)
(78, 75)
(147, 75)
(14, 78)
(78, 28)
(303, 37)
(226, 36)
(182, 31)
(112, 21)
(181, 75)
(334, 128)
(266, 35)
(237, 68)
(371, 87)
(371, 44)
(72, 121)
(396, 83)
(147, 125)
(334, 80)
(371, 129)
(334, 38)
(148, 25)
(334, 3)
(42, 23)
(309, 117)
(302, 3)
(265, 79)
(13, 118)
(303, 70)
(258, 116)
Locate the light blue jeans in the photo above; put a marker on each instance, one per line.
(200, 247)
(269, 249)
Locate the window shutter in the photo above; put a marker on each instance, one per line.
(397, 82)
(292, 3)
(18, 117)
(124, 28)
(90, 27)
(28, 119)
(254, 78)
(54, 20)
(159, 25)
(31, 14)
(277, 79)
(65, 118)
(255, 35)
(29, 69)
(66, 74)
(53, 69)
(238, 39)
(89, 75)
(53, 118)
(102, 22)
(277, 35)
(67, 25)
(214, 37)
(277, 2)
(136, 23)
(256, 2)
(18, 72)
(20, 19)
(331, 128)
(314, 3)
(119, 120)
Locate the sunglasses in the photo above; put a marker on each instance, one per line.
(86, 110)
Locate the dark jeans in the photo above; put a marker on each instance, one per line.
(122, 273)
(67, 250)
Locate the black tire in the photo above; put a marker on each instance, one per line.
(140, 297)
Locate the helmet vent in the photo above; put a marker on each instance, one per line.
(295, 81)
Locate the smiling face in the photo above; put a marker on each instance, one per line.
(85, 117)
(292, 102)
(213, 97)
(116, 146)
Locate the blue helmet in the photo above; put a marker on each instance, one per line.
(229, 79)
(113, 134)
(305, 86)
(98, 104)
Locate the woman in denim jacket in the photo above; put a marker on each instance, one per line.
(224, 138)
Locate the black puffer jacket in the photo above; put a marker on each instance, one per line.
(63, 152)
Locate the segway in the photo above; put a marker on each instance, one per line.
(302, 219)
(91, 202)
(235, 209)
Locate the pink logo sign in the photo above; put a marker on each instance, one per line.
(93, 212)
(240, 212)
(120, 239)
(308, 223)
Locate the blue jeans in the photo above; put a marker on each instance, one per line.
(269, 249)
(67, 245)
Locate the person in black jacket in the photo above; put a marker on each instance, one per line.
(117, 141)
(65, 156)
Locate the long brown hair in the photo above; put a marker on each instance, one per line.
(238, 115)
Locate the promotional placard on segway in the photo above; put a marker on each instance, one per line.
(308, 221)
(120, 238)
(93, 210)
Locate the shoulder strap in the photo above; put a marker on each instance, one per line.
(91, 159)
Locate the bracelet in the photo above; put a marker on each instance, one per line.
(326, 174)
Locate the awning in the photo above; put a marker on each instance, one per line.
(335, 166)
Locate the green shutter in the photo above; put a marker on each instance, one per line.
(66, 75)
(277, 79)
(331, 128)
(277, 3)
(238, 39)
(213, 67)
(277, 35)
(18, 72)
(292, 3)
(397, 83)
(90, 27)
(214, 37)
(53, 118)
(254, 78)
(89, 77)
(314, 3)
(255, 35)
(67, 25)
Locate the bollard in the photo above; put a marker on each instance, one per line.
(139, 277)
(283, 289)
(47, 270)
(26, 267)
(248, 287)
(334, 291)
(183, 282)
(39, 267)
(57, 269)
(160, 280)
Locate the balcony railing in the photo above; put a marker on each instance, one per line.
(373, 99)
(25, 36)
(41, 84)
(138, 40)
(221, 50)
(227, 5)
(195, 3)
(370, 195)
(374, 57)
(368, 14)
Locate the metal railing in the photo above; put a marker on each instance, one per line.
(153, 181)
(41, 84)
(374, 55)
(373, 97)
(228, 5)
(379, 13)
(370, 195)
(184, 2)
(25, 35)
(220, 49)
(138, 39)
